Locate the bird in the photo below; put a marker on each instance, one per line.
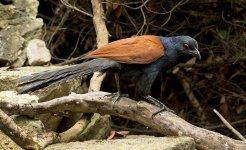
(137, 59)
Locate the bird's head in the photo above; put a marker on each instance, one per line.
(185, 46)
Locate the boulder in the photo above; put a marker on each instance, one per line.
(7, 83)
(17, 27)
(138, 143)
(37, 53)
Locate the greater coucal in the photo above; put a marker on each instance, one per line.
(138, 59)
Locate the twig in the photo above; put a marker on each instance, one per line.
(192, 98)
(233, 24)
(243, 121)
(76, 45)
(144, 23)
(66, 3)
(229, 126)
(168, 12)
(64, 18)
(172, 10)
(126, 14)
(214, 63)
(139, 7)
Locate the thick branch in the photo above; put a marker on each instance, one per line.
(166, 122)
(8, 126)
(102, 39)
(71, 134)
(74, 131)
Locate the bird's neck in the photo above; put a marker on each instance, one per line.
(170, 56)
(169, 43)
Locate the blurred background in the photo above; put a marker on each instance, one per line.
(192, 90)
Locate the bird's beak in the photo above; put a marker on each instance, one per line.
(197, 54)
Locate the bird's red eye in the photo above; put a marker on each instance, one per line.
(186, 46)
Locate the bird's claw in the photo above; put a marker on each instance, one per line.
(159, 104)
(118, 95)
(163, 108)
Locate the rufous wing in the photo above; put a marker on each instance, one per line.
(135, 50)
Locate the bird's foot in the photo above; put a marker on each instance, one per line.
(118, 95)
(159, 104)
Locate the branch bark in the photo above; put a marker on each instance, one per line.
(8, 126)
(102, 39)
(97, 102)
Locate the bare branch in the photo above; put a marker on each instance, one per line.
(229, 126)
(189, 92)
(172, 10)
(64, 18)
(233, 24)
(66, 3)
(144, 23)
(102, 39)
(139, 7)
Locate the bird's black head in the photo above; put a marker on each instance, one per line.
(184, 46)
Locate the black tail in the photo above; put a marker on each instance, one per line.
(38, 80)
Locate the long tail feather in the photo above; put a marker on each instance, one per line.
(43, 79)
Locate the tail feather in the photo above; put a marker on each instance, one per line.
(43, 79)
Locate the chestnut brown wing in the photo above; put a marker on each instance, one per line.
(136, 50)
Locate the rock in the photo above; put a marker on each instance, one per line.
(7, 76)
(12, 96)
(30, 6)
(149, 143)
(53, 91)
(99, 125)
(98, 128)
(10, 44)
(37, 53)
(16, 29)
(31, 126)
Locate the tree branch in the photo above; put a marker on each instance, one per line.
(97, 102)
(229, 126)
(102, 39)
(8, 126)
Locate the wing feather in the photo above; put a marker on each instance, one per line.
(136, 50)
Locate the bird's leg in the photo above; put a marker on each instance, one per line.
(159, 104)
(118, 94)
(117, 80)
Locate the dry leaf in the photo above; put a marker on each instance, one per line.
(115, 4)
(118, 11)
(190, 62)
(118, 31)
(117, 8)
(111, 136)
(175, 70)
(124, 133)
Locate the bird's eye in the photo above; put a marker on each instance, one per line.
(186, 46)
